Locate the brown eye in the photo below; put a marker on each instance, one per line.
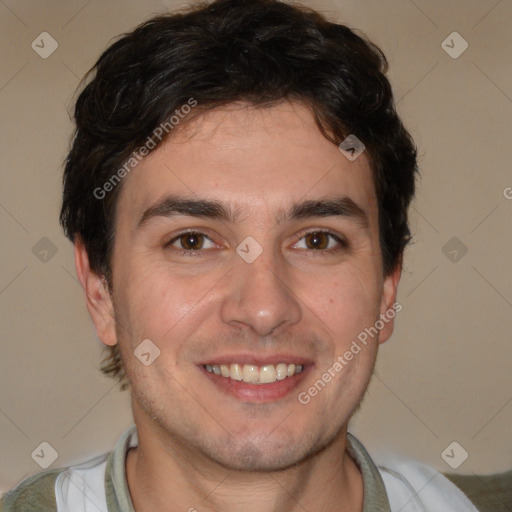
(317, 240)
(322, 242)
(191, 241)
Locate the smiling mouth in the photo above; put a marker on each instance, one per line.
(253, 374)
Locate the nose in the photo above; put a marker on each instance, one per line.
(260, 297)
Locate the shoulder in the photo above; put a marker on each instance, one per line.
(49, 490)
(73, 487)
(489, 493)
(35, 494)
(409, 481)
(413, 486)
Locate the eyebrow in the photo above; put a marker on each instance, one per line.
(211, 209)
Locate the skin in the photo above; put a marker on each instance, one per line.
(220, 451)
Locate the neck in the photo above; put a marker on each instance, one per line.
(160, 472)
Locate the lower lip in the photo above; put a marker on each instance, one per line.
(257, 393)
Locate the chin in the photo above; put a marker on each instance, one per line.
(270, 457)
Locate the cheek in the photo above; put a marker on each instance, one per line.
(160, 305)
(347, 304)
(142, 301)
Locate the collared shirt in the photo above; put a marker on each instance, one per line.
(100, 485)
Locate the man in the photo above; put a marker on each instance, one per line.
(237, 193)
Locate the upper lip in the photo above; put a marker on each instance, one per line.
(258, 360)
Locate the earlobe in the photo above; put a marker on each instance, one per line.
(389, 307)
(98, 299)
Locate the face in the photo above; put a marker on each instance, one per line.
(247, 245)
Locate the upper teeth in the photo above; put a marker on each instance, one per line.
(255, 374)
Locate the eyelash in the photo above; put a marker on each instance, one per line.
(342, 243)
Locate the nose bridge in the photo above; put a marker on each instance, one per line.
(260, 295)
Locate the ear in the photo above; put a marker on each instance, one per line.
(99, 302)
(389, 307)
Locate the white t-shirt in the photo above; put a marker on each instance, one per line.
(399, 486)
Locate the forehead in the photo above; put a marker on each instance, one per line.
(257, 160)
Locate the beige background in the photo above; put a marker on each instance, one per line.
(446, 373)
